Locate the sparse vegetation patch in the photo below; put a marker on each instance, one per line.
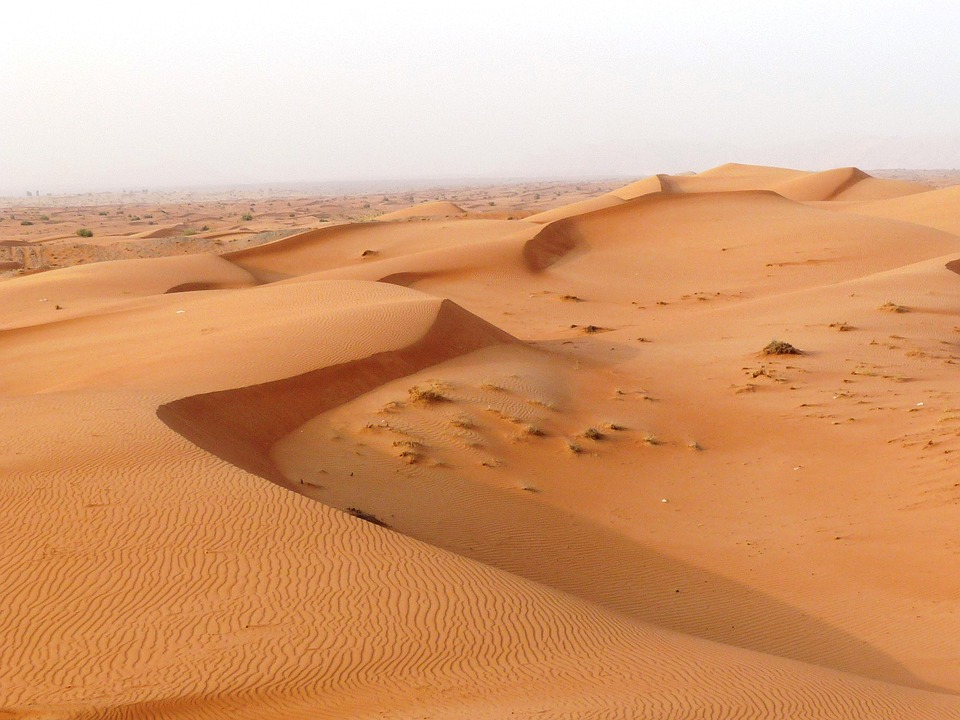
(370, 518)
(427, 395)
(779, 347)
(893, 307)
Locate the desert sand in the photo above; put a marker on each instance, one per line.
(487, 453)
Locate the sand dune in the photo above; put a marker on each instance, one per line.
(839, 184)
(460, 466)
(938, 209)
(436, 209)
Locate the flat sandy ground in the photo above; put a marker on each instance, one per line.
(505, 452)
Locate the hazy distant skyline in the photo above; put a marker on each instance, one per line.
(104, 96)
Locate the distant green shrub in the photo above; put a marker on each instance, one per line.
(85, 232)
(247, 217)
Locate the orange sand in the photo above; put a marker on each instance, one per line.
(487, 461)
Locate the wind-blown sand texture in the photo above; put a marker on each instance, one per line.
(464, 462)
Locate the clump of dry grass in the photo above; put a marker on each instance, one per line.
(571, 298)
(893, 307)
(592, 433)
(427, 395)
(409, 444)
(651, 439)
(493, 387)
(369, 517)
(574, 448)
(463, 422)
(779, 347)
(411, 457)
(531, 431)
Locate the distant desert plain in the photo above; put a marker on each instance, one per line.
(680, 448)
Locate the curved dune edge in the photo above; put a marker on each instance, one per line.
(241, 425)
(359, 246)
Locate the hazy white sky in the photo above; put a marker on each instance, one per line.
(100, 95)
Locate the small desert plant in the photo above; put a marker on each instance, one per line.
(426, 395)
(85, 232)
(779, 347)
(246, 217)
(45, 218)
(592, 434)
(574, 448)
(893, 307)
(26, 222)
(411, 457)
(409, 444)
(370, 518)
(533, 431)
